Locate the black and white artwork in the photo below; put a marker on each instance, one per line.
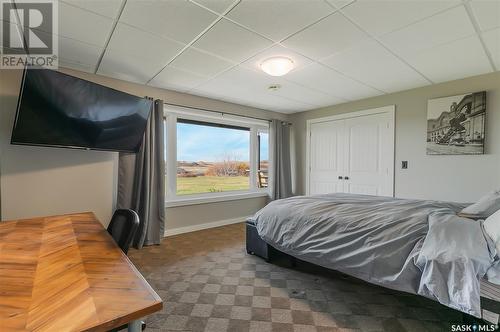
(456, 124)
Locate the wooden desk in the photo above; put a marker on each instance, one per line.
(65, 273)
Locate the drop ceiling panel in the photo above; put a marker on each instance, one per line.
(231, 41)
(200, 63)
(256, 82)
(158, 51)
(487, 13)
(458, 59)
(76, 66)
(247, 79)
(278, 19)
(83, 25)
(238, 95)
(177, 79)
(304, 94)
(218, 6)
(431, 32)
(79, 53)
(381, 17)
(329, 81)
(178, 20)
(492, 41)
(299, 61)
(126, 67)
(108, 8)
(248, 87)
(372, 64)
(331, 35)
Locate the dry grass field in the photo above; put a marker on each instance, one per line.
(208, 184)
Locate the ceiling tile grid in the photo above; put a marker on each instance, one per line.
(342, 50)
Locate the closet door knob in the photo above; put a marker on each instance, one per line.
(340, 178)
(346, 178)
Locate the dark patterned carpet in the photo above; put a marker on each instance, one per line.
(209, 283)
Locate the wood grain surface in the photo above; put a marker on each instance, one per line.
(65, 273)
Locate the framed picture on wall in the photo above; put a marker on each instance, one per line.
(456, 124)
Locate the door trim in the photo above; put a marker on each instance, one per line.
(390, 109)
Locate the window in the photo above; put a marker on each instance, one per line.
(213, 155)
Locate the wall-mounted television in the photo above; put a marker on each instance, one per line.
(60, 110)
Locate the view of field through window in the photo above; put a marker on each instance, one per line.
(214, 158)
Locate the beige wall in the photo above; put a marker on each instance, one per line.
(38, 181)
(454, 178)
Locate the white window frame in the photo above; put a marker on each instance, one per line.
(256, 126)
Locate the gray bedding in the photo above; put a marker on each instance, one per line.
(416, 246)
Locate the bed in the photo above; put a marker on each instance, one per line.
(416, 246)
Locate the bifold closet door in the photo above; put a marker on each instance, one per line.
(326, 157)
(352, 154)
(369, 155)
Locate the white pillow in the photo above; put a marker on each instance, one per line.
(492, 228)
(486, 206)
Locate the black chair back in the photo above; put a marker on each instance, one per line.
(123, 226)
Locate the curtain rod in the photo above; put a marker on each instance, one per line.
(222, 113)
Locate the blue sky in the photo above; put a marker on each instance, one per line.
(204, 143)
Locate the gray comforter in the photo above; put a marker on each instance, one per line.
(416, 246)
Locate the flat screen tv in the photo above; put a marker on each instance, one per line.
(59, 110)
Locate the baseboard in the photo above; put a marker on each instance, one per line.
(199, 227)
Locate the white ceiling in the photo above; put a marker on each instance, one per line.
(343, 49)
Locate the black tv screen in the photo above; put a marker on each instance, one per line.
(56, 109)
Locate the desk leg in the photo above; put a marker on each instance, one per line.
(135, 326)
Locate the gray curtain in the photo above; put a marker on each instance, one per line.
(281, 174)
(141, 181)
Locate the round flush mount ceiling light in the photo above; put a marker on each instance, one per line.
(277, 66)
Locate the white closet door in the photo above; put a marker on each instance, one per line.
(369, 155)
(326, 157)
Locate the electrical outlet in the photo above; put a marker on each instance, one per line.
(404, 164)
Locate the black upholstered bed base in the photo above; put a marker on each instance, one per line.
(255, 245)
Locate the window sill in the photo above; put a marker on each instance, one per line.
(230, 196)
